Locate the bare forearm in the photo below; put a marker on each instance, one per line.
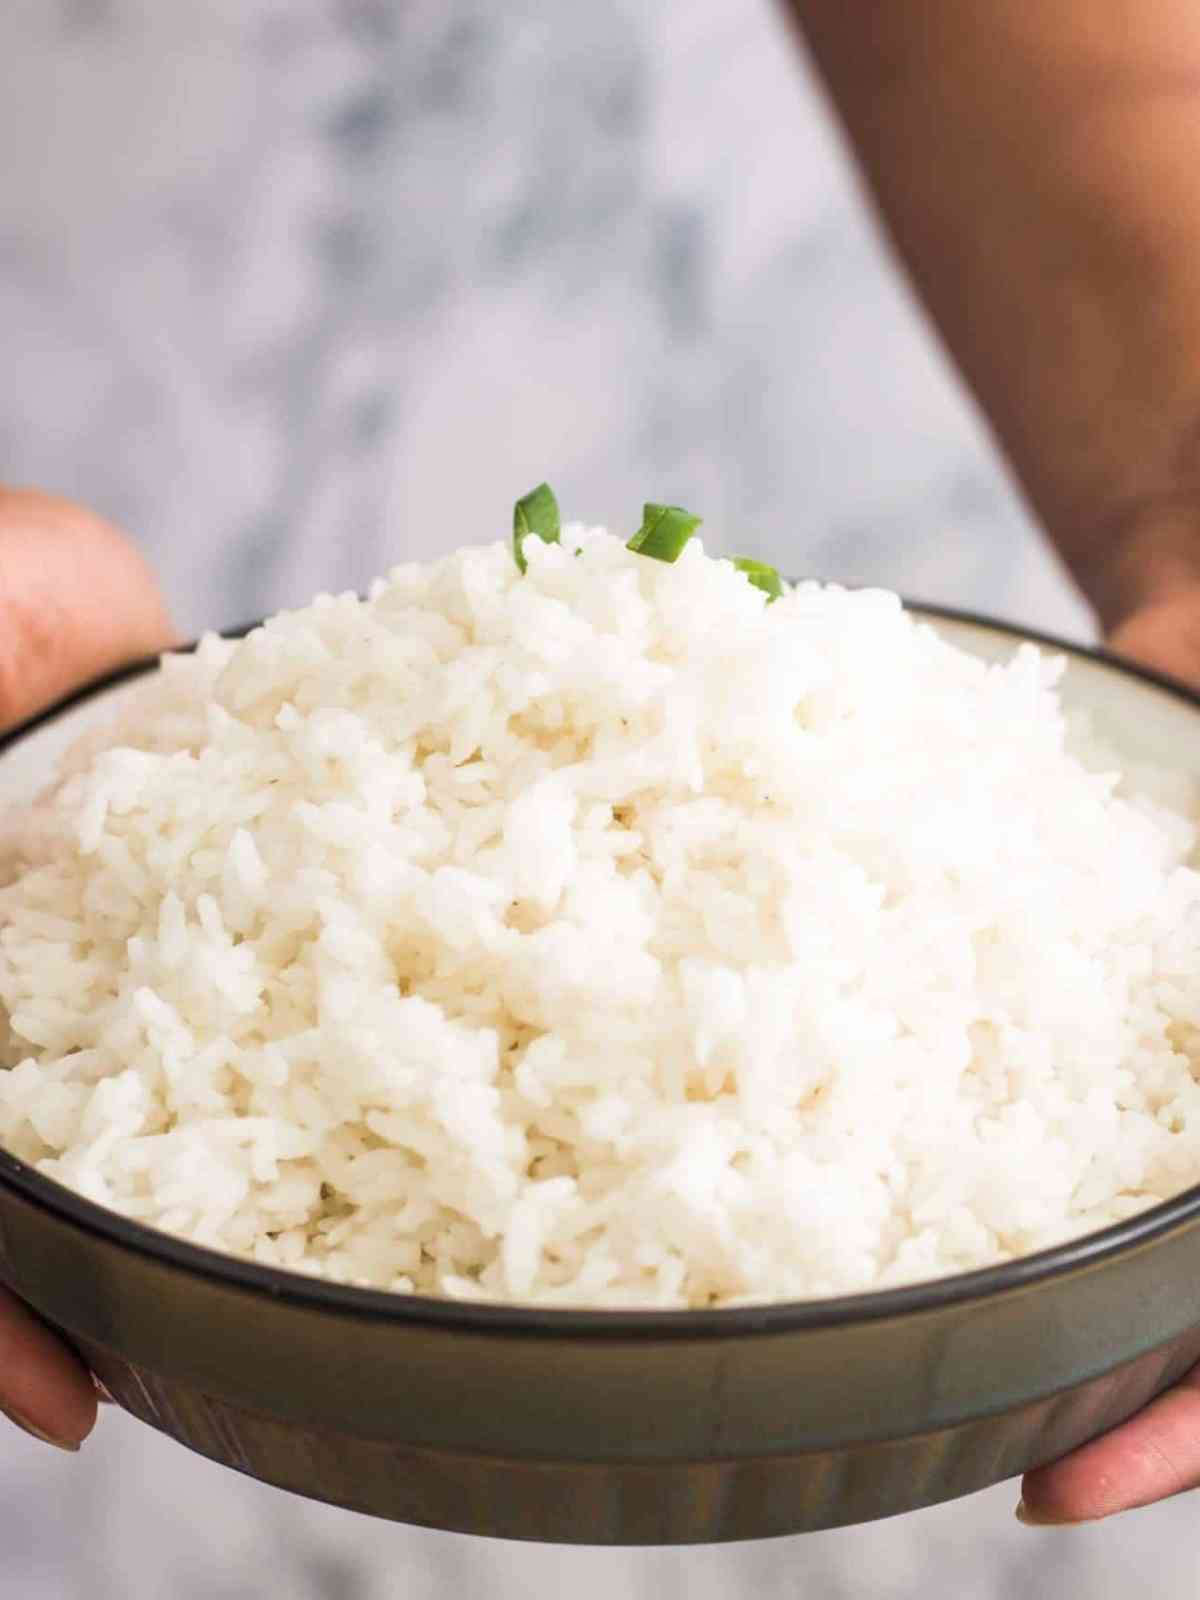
(1038, 165)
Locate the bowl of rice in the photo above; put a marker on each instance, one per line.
(593, 1043)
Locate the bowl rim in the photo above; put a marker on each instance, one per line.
(499, 1317)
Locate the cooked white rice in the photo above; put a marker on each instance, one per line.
(601, 936)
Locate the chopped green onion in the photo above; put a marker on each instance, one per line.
(536, 512)
(664, 532)
(761, 576)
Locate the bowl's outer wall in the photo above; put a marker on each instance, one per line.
(595, 1440)
(691, 1502)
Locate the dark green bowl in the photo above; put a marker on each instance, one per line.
(625, 1427)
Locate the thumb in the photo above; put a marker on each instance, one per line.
(1164, 636)
(76, 600)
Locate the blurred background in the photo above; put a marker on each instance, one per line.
(294, 289)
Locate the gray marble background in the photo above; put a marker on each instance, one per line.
(296, 288)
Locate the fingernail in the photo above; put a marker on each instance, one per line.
(1043, 1519)
(35, 1432)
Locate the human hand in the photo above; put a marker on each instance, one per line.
(1164, 635)
(1155, 1454)
(76, 600)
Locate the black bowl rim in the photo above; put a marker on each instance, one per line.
(494, 1317)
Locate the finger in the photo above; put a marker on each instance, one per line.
(1164, 636)
(76, 600)
(1154, 1455)
(44, 1388)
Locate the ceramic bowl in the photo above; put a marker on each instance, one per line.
(605, 1427)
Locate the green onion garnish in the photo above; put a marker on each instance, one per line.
(536, 512)
(761, 576)
(664, 532)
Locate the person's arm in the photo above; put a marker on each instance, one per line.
(1037, 163)
(75, 600)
